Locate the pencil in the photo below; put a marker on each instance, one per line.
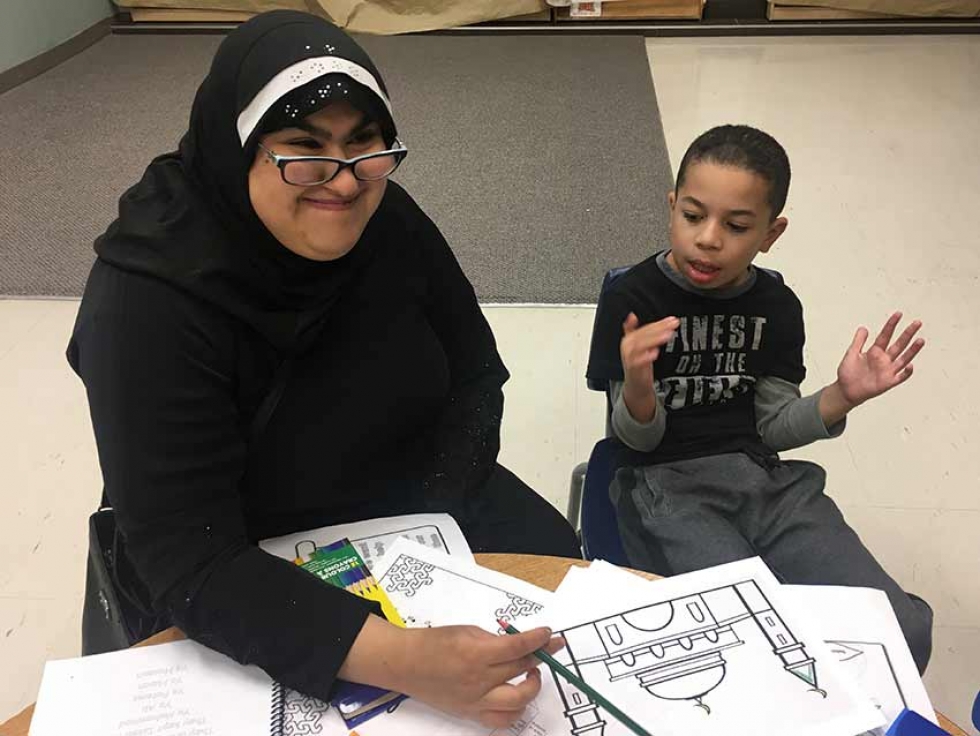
(558, 668)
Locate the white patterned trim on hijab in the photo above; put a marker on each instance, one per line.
(296, 76)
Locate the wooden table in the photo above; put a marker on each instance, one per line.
(545, 572)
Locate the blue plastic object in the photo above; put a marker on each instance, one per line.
(600, 532)
(910, 723)
(976, 712)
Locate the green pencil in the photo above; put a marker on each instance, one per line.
(582, 685)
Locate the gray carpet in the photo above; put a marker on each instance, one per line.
(541, 158)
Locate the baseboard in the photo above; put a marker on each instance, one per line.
(52, 57)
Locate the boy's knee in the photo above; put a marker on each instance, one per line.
(916, 623)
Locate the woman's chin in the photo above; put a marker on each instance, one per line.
(323, 251)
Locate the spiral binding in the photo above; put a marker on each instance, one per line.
(277, 723)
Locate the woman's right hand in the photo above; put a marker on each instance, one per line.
(461, 670)
(465, 671)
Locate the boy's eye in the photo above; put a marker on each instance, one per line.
(692, 216)
(738, 228)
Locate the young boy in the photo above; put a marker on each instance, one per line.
(703, 356)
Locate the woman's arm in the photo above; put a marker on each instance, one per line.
(157, 367)
(467, 436)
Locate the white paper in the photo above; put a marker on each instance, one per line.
(177, 689)
(862, 632)
(429, 588)
(372, 538)
(715, 651)
(857, 624)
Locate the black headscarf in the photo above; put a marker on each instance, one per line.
(190, 222)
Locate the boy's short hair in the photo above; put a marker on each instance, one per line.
(744, 147)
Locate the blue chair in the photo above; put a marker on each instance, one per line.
(588, 498)
(600, 531)
(976, 712)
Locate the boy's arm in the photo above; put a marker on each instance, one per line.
(641, 436)
(786, 420)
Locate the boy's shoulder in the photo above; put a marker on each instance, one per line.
(647, 278)
(643, 278)
(771, 281)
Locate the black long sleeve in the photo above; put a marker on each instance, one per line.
(467, 437)
(159, 369)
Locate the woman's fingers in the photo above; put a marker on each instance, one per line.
(528, 663)
(507, 649)
(512, 697)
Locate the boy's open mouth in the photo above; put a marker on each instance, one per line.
(704, 267)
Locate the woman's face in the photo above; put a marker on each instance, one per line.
(325, 221)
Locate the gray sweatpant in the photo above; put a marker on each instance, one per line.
(691, 514)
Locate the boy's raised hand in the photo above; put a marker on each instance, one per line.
(863, 375)
(640, 347)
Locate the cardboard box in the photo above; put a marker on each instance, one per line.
(639, 10)
(357, 16)
(777, 11)
(872, 9)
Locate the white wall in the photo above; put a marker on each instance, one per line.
(31, 27)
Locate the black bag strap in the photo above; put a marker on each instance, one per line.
(268, 406)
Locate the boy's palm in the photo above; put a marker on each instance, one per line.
(862, 375)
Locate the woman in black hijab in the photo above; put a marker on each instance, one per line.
(238, 263)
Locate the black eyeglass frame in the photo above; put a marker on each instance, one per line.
(399, 152)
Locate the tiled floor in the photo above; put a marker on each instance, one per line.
(880, 132)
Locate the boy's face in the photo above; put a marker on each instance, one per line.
(720, 220)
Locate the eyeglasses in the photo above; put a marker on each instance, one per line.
(310, 171)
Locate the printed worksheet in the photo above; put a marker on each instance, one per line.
(431, 588)
(861, 630)
(179, 689)
(715, 651)
(857, 624)
(374, 537)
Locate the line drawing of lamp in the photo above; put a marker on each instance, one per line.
(674, 649)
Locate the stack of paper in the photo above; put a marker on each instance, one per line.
(727, 650)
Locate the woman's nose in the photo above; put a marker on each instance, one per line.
(345, 184)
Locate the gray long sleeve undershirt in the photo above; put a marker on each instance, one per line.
(784, 418)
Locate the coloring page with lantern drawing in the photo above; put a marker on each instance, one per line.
(714, 651)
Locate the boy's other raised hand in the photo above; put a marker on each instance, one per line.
(865, 374)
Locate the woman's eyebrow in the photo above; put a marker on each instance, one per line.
(316, 130)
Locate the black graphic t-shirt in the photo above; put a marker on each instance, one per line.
(706, 375)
